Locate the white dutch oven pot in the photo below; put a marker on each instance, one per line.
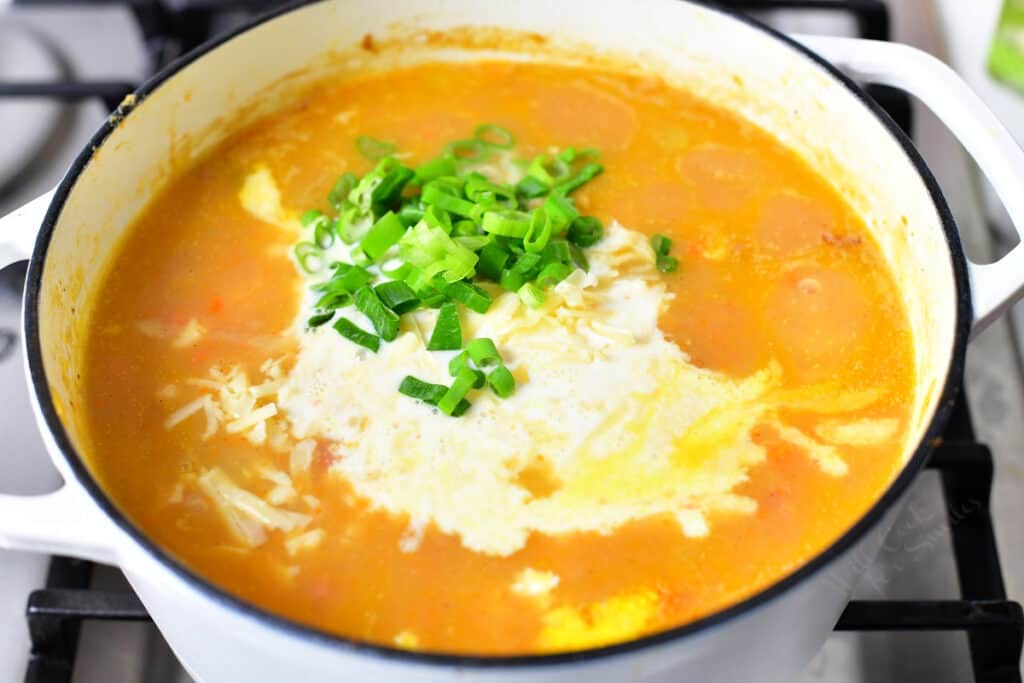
(783, 87)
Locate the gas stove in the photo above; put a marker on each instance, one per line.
(933, 607)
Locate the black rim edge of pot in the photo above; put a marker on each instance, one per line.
(840, 546)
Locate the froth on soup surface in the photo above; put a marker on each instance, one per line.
(676, 441)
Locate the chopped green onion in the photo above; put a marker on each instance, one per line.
(531, 187)
(469, 295)
(384, 320)
(560, 211)
(661, 244)
(342, 187)
(506, 223)
(429, 393)
(548, 169)
(458, 362)
(323, 233)
(557, 251)
(466, 230)
(474, 242)
(461, 408)
(539, 233)
(352, 222)
(334, 300)
(455, 184)
(309, 257)
(585, 175)
(350, 278)
(397, 296)
(515, 246)
(389, 191)
(502, 381)
(493, 258)
(483, 352)
(410, 214)
(579, 259)
(552, 274)
(374, 149)
(512, 280)
(464, 381)
(435, 168)
(362, 194)
(522, 271)
(422, 391)
(430, 249)
(397, 272)
(434, 300)
(666, 264)
(319, 319)
(348, 329)
(443, 197)
(586, 231)
(310, 216)
(527, 264)
(323, 228)
(447, 334)
(494, 135)
(359, 257)
(384, 234)
(466, 150)
(531, 295)
(480, 210)
(438, 218)
(481, 190)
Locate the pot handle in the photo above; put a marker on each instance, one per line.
(18, 230)
(64, 522)
(994, 286)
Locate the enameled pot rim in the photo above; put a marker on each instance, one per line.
(295, 629)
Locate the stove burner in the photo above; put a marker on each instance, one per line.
(28, 124)
(7, 343)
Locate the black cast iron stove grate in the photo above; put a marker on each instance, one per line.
(993, 624)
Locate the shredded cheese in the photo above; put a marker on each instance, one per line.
(248, 515)
(189, 335)
(534, 583)
(304, 541)
(866, 432)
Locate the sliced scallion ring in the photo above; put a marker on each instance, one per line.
(507, 223)
(470, 149)
(495, 136)
(374, 149)
(309, 257)
(502, 381)
(483, 352)
(531, 295)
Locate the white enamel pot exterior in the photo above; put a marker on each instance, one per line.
(790, 91)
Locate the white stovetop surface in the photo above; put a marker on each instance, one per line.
(102, 42)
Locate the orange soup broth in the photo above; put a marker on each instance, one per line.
(774, 267)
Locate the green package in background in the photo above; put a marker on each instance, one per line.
(1006, 61)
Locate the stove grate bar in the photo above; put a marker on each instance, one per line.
(931, 615)
(63, 603)
(109, 92)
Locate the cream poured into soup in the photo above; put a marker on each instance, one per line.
(676, 427)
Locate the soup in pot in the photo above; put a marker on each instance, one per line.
(497, 358)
